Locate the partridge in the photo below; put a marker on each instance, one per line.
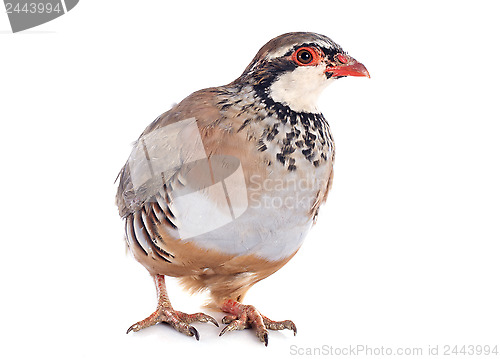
(221, 190)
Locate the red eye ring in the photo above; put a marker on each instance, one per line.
(306, 56)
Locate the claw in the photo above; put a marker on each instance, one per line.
(266, 339)
(193, 331)
(132, 327)
(227, 328)
(236, 324)
(224, 330)
(212, 320)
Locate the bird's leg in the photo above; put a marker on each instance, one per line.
(243, 316)
(165, 313)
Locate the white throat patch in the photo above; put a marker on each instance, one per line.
(300, 88)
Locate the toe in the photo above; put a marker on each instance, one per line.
(285, 324)
(149, 321)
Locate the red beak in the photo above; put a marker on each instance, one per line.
(351, 68)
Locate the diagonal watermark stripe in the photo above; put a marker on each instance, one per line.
(26, 14)
(205, 192)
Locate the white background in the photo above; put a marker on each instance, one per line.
(406, 251)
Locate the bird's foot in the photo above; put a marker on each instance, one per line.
(178, 320)
(243, 316)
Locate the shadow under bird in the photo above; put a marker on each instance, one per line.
(221, 190)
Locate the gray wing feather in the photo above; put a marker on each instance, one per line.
(157, 156)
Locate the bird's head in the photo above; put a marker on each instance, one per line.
(293, 69)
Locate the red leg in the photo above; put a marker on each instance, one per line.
(165, 313)
(245, 316)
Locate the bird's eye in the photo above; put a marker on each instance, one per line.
(306, 56)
